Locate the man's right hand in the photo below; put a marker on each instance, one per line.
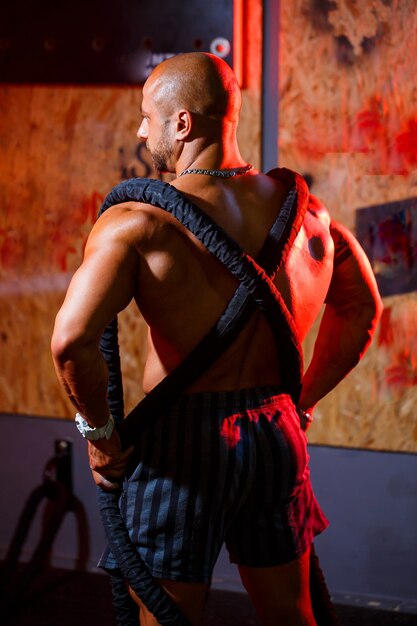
(108, 462)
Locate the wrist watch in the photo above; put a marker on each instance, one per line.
(305, 418)
(92, 434)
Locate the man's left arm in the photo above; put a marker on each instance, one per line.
(353, 308)
(102, 286)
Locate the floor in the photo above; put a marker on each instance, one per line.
(68, 598)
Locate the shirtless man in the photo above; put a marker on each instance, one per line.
(190, 112)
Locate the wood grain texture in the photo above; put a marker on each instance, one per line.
(348, 117)
(63, 149)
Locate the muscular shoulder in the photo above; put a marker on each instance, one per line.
(317, 209)
(344, 240)
(315, 237)
(130, 223)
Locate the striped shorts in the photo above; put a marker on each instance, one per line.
(221, 467)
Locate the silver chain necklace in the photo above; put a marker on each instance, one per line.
(236, 171)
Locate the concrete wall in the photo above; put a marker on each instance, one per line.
(369, 553)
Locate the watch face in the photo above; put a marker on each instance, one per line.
(81, 424)
(94, 433)
(84, 428)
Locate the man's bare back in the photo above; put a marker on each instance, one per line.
(182, 289)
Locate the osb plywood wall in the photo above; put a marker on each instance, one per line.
(348, 117)
(62, 150)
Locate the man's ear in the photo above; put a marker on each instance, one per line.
(184, 124)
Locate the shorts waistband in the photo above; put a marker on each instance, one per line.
(232, 400)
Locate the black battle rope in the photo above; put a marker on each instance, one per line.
(245, 269)
(255, 290)
(133, 568)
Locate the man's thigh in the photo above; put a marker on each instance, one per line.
(280, 594)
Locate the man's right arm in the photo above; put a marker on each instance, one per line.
(353, 308)
(103, 286)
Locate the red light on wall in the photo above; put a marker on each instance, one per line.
(238, 40)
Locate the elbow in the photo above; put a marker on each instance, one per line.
(66, 344)
(371, 307)
(368, 320)
(62, 347)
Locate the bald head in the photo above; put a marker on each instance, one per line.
(198, 82)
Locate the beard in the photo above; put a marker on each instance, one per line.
(162, 153)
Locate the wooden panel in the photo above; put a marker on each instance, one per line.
(348, 117)
(63, 149)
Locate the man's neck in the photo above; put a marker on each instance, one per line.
(216, 156)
